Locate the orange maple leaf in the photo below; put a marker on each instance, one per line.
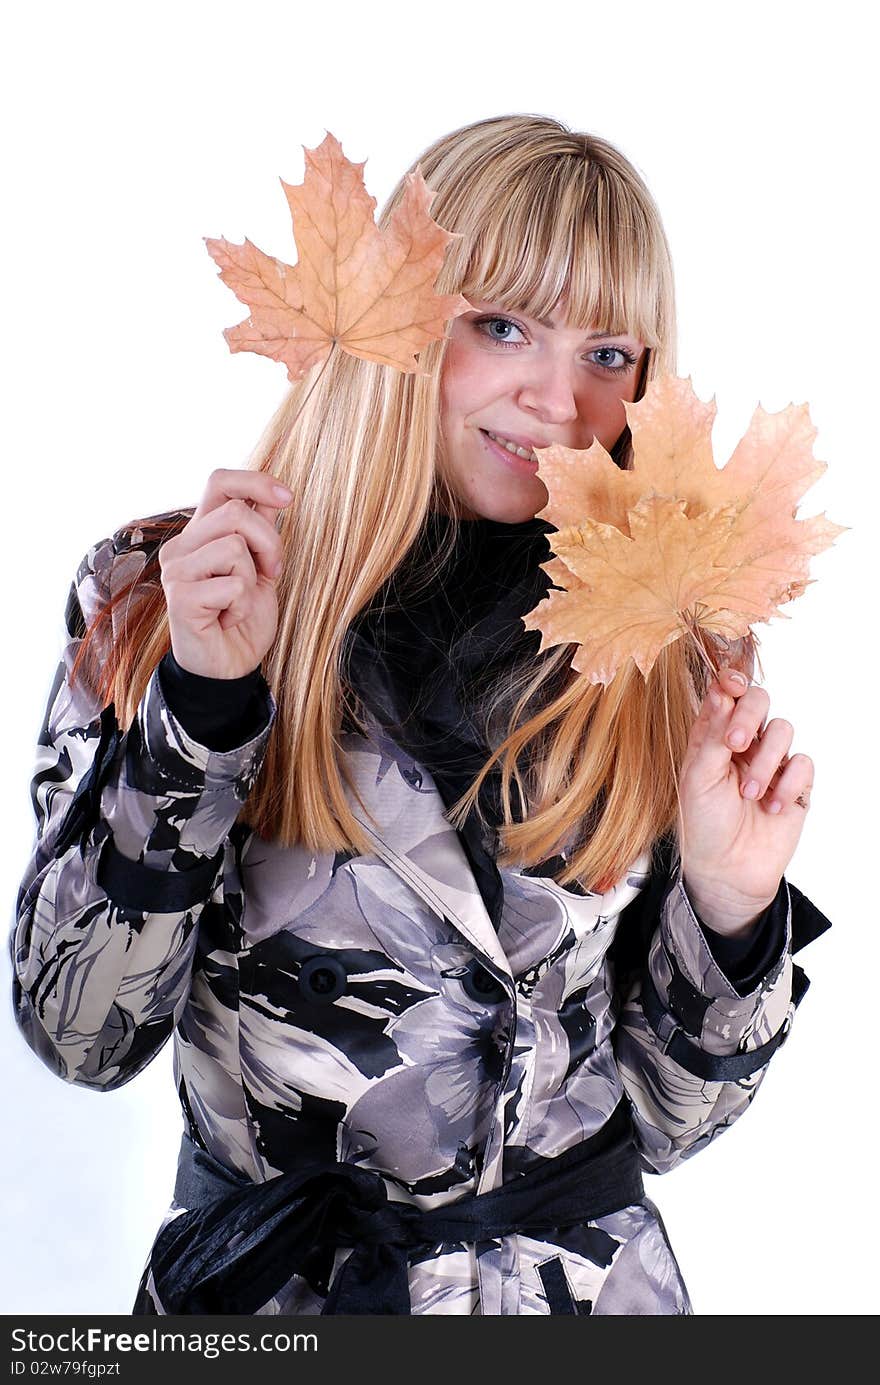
(647, 556)
(367, 291)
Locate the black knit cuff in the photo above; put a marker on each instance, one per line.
(746, 960)
(220, 713)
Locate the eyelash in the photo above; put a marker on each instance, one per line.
(628, 356)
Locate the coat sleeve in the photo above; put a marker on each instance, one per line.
(691, 1049)
(129, 849)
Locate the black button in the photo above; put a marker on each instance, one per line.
(322, 979)
(480, 985)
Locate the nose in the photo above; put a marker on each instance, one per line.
(549, 393)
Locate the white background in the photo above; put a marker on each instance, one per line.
(132, 133)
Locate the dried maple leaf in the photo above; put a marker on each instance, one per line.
(367, 291)
(647, 556)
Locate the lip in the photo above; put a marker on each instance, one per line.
(518, 438)
(510, 458)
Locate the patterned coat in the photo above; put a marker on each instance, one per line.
(363, 1007)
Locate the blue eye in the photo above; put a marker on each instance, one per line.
(627, 359)
(482, 322)
(627, 362)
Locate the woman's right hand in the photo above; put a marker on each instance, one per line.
(219, 572)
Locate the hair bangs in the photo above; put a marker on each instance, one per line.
(573, 241)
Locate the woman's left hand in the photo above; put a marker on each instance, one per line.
(735, 846)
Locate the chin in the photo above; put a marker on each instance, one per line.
(506, 509)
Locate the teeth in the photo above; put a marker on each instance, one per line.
(512, 447)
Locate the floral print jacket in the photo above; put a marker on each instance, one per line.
(363, 1008)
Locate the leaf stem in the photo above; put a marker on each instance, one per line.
(712, 650)
(270, 460)
(333, 347)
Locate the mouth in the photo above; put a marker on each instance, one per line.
(512, 449)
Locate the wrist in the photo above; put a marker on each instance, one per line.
(731, 915)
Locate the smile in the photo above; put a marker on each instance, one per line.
(511, 446)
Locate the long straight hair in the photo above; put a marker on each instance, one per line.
(544, 215)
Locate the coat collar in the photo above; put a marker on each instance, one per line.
(411, 657)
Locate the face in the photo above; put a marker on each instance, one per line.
(533, 384)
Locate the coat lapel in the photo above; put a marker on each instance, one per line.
(413, 836)
(406, 658)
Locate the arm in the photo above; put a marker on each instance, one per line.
(692, 1042)
(692, 1045)
(679, 1015)
(131, 832)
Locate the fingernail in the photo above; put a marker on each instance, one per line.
(737, 738)
(751, 789)
(282, 493)
(775, 806)
(736, 677)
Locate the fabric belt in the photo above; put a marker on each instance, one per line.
(239, 1242)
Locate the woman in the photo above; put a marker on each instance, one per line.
(427, 1030)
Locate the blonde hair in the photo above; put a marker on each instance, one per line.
(544, 215)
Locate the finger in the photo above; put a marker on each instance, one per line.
(222, 557)
(733, 681)
(226, 594)
(747, 719)
(234, 517)
(259, 489)
(219, 576)
(707, 752)
(712, 705)
(792, 792)
(769, 755)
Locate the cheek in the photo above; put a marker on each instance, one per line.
(465, 382)
(610, 419)
(450, 388)
(603, 418)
